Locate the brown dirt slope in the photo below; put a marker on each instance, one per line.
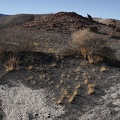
(61, 21)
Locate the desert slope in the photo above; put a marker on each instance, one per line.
(47, 81)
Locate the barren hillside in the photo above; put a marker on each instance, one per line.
(45, 74)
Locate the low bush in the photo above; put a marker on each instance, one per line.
(92, 46)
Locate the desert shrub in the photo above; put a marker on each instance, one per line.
(92, 46)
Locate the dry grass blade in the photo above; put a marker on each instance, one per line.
(11, 63)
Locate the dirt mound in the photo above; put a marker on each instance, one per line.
(61, 21)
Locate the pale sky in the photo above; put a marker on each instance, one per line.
(96, 8)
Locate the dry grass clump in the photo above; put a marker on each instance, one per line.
(91, 88)
(92, 46)
(59, 101)
(11, 63)
(103, 68)
(22, 49)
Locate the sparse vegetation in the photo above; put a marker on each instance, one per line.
(78, 85)
(88, 44)
(70, 98)
(43, 71)
(91, 88)
(27, 45)
(59, 101)
(92, 46)
(11, 63)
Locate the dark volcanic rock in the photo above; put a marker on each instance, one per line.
(61, 21)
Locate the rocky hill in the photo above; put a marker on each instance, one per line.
(1, 15)
(45, 76)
